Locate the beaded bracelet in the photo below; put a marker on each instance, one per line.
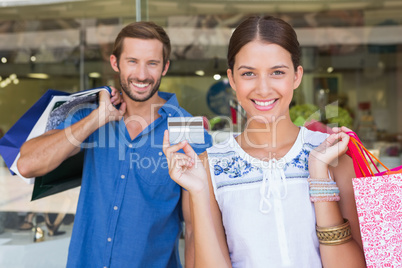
(323, 190)
(335, 235)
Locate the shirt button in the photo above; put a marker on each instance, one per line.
(130, 145)
(115, 207)
(109, 239)
(160, 153)
(122, 176)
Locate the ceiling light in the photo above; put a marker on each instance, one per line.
(330, 69)
(94, 75)
(11, 3)
(4, 60)
(38, 75)
(33, 58)
(217, 76)
(200, 72)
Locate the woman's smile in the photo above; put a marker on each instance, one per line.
(264, 105)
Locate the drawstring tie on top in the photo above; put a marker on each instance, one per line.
(271, 185)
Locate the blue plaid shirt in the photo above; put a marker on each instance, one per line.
(129, 210)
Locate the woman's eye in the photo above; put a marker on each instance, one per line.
(247, 74)
(277, 73)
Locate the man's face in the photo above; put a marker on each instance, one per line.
(140, 67)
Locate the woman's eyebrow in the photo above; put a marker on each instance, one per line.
(280, 66)
(273, 67)
(245, 67)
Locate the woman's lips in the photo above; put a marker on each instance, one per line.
(264, 105)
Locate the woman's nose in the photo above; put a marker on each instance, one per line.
(263, 86)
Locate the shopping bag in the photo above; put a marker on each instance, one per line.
(378, 198)
(12, 141)
(46, 114)
(66, 176)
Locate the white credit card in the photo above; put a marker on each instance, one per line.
(186, 128)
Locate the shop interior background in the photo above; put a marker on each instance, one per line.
(351, 54)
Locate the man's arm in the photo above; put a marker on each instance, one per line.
(41, 155)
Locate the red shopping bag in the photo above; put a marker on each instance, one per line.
(379, 206)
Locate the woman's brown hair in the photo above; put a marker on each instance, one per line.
(267, 29)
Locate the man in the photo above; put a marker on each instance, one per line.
(129, 211)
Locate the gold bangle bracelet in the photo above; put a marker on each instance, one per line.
(335, 235)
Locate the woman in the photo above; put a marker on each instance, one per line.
(276, 195)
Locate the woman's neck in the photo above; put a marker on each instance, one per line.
(276, 132)
(273, 139)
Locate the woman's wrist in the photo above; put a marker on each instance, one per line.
(319, 174)
(200, 194)
(323, 190)
(318, 169)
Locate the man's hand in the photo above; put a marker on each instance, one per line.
(107, 110)
(115, 97)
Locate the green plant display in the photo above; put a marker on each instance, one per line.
(334, 114)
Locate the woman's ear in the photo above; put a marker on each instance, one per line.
(114, 63)
(298, 77)
(231, 79)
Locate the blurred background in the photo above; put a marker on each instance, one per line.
(351, 54)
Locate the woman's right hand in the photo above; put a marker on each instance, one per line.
(186, 169)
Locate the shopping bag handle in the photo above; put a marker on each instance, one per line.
(359, 157)
(365, 154)
(364, 150)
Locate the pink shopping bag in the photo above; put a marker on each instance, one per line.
(379, 206)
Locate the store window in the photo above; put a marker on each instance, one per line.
(351, 54)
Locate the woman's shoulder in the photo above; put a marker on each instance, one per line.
(227, 145)
(313, 137)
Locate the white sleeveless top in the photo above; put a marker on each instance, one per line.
(268, 217)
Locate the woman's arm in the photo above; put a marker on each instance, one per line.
(216, 218)
(192, 173)
(188, 230)
(330, 157)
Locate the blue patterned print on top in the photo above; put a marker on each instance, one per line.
(236, 167)
(301, 160)
(233, 166)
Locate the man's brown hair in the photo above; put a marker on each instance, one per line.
(142, 30)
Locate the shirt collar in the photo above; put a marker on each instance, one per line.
(171, 107)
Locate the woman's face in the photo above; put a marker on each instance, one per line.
(264, 79)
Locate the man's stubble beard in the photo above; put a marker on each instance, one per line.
(126, 89)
